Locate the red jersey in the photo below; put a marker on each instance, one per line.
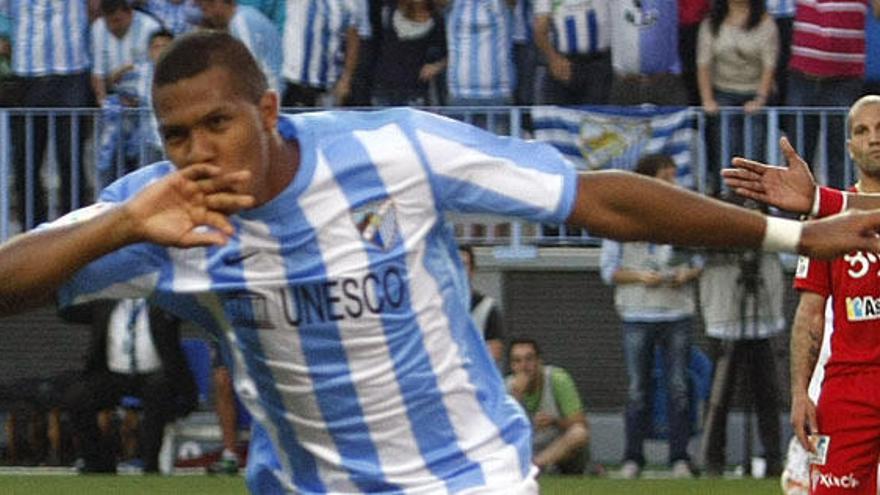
(853, 283)
(829, 38)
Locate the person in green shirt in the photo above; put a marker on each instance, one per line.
(548, 394)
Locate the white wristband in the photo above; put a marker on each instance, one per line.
(782, 235)
(814, 211)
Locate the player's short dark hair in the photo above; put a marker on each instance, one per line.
(160, 33)
(651, 165)
(523, 341)
(197, 52)
(111, 6)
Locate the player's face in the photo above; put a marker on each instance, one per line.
(524, 360)
(864, 140)
(203, 119)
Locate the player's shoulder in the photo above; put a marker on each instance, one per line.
(330, 122)
(129, 184)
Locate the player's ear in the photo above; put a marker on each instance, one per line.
(268, 106)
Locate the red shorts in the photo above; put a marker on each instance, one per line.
(849, 414)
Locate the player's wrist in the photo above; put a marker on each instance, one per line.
(782, 235)
(827, 202)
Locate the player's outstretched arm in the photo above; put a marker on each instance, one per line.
(790, 188)
(169, 212)
(628, 207)
(806, 343)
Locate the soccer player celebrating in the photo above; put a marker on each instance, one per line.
(315, 247)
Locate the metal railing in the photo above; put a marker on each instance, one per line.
(718, 138)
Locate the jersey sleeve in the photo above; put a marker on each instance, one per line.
(131, 272)
(566, 394)
(474, 171)
(813, 276)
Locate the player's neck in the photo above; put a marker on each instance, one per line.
(868, 184)
(284, 157)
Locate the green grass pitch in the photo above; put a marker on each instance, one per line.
(209, 485)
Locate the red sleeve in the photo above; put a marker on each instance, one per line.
(813, 276)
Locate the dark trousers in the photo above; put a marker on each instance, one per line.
(103, 390)
(752, 359)
(590, 83)
(297, 95)
(69, 91)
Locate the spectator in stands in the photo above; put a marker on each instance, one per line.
(316, 35)
(131, 139)
(484, 310)
(655, 301)
(50, 58)
(826, 69)
(736, 64)
(644, 53)
(525, 57)
(690, 15)
(274, 10)
(177, 16)
(574, 38)
(227, 415)
(412, 54)
(120, 39)
(560, 432)
(135, 350)
(478, 37)
(253, 29)
(783, 13)
(741, 297)
(872, 56)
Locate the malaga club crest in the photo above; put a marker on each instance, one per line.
(612, 142)
(377, 223)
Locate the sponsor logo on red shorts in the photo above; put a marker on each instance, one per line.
(831, 481)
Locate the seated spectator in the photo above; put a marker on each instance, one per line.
(134, 351)
(412, 54)
(551, 400)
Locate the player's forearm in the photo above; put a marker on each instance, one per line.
(35, 264)
(806, 342)
(627, 207)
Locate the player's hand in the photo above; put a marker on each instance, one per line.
(175, 210)
(543, 420)
(652, 279)
(790, 188)
(803, 419)
(840, 234)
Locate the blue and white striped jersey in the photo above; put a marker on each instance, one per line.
(644, 37)
(781, 8)
(111, 53)
(344, 305)
(49, 37)
(262, 39)
(273, 9)
(314, 35)
(523, 18)
(179, 18)
(478, 38)
(579, 26)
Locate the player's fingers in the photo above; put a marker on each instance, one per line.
(218, 221)
(202, 237)
(224, 182)
(744, 163)
(758, 196)
(199, 171)
(228, 203)
(741, 174)
(737, 183)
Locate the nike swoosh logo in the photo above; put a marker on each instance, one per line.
(236, 258)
